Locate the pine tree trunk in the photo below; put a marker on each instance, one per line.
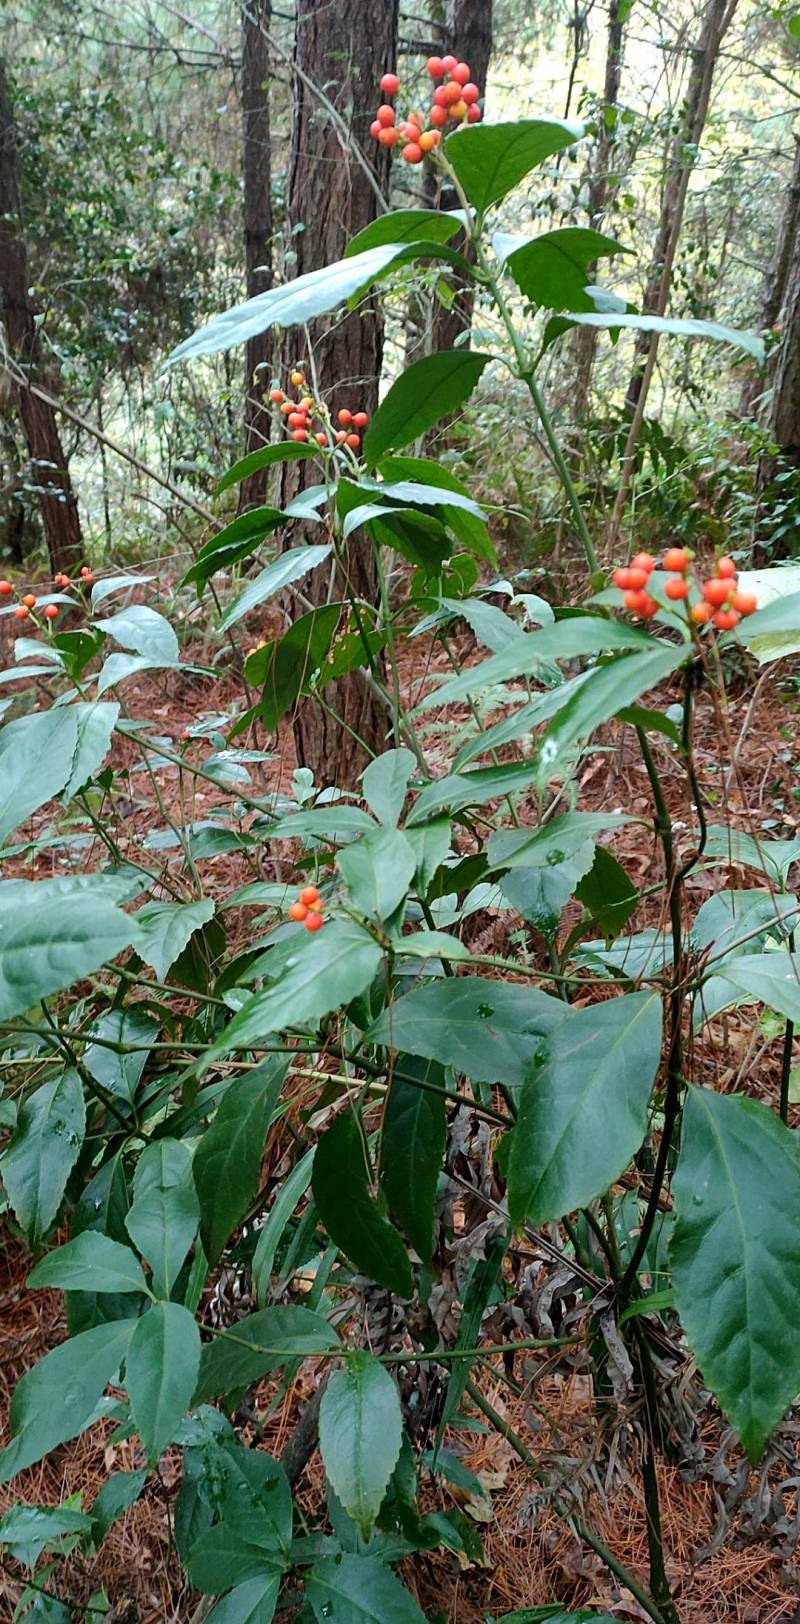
(781, 267)
(343, 50)
(784, 410)
(586, 337)
(49, 471)
(257, 221)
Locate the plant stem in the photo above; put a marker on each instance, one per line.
(786, 1059)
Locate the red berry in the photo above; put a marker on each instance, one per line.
(297, 420)
(375, 129)
(360, 420)
(676, 559)
(437, 115)
(622, 579)
(460, 73)
(413, 154)
(341, 437)
(321, 439)
(644, 561)
(21, 612)
(637, 578)
(451, 93)
(299, 435)
(649, 607)
(430, 139)
(474, 114)
(310, 896)
(385, 115)
(390, 84)
(185, 734)
(345, 417)
(276, 396)
(5, 588)
(717, 592)
(388, 137)
(449, 63)
(469, 93)
(298, 910)
(634, 600)
(313, 921)
(353, 440)
(745, 602)
(29, 600)
(440, 96)
(51, 611)
(676, 589)
(726, 568)
(726, 619)
(435, 67)
(701, 613)
(287, 407)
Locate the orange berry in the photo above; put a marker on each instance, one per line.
(474, 114)
(51, 611)
(360, 420)
(458, 111)
(388, 138)
(717, 592)
(429, 139)
(29, 600)
(297, 420)
(375, 130)
(185, 734)
(276, 396)
(341, 437)
(676, 559)
(353, 440)
(21, 612)
(644, 561)
(310, 896)
(745, 602)
(726, 568)
(305, 404)
(440, 96)
(637, 578)
(460, 73)
(299, 435)
(676, 589)
(412, 153)
(5, 588)
(390, 84)
(437, 116)
(469, 93)
(622, 579)
(313, 921)
(448, 63)
(726, 619)
(298, 379)
(634, 600)
(649, 607)
(287, 408)
(385, 115)
(321, 439)
(298, 910)
(345, 417)
(435, 67)
(451, 93)
(701, 613)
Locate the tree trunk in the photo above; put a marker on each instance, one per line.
(468, 30)
(49, 472)
(257, 221)
(599, 193)
(341, 52)
(784, 410)
(782, 265)
(717, 19)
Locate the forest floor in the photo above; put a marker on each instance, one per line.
(730, 1532)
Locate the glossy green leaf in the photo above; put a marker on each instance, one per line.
(458, 790)
(736, 1257)
(161, 1372)
(53, 942)
(565, 640)
(120, 1491)
(58, 1397)
(253, 1602)
(288, 666)
(265, 457)
(223, 1557)
(773, 857)
(101, 1209)
(164, 1214)
(553, 269)
(430, 843)
(45, 1147)
(90, 1262)
(739, 921)
(227, 1162)
(385, 784)
(120, 1073)
(739, 338)
(748, 978)
(28, 1530)
(360, 1432)
(144, 631)
(50, 753)
(243, 535)
(288, 567)
(407, 225)
(412, 1148)
(359, 1590)
(611, 686)
(583, 1109)
(425, 392)
(258, 1344)
(489, 1030)
(553, 842)
(377, 870)
(470, 528)
(165, 928)
(352, 1218)
(607, 893)
(491, 159)
(287, 1196)
(541, 893)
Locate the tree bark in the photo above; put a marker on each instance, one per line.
(717, 19)
(784, 409)
(343, 50)
(49, 471)
(599, 193)
(778, 279)
(257, 222)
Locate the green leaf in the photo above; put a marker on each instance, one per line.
(253, 1602)
(412, 1147)
(491, 159)
(271, 1232)
(607, 893)
(164, 1214)
(724, 919)
(476, 1296)
(773, 857)
(101, 1208)
(120, 1491)
(45, 1147)
(425, 392)
(288, 567)
(552, 843)
(359, 1590)
(360, 1432)
(90, 1262)
(565, 640)
(430, 843)
(377, 870)
(95, 725)
(289, 666)
(610, 687)
(407, 225)
(166, 928)
(120, 1073)
(748, 978)
(385, 784)
(58, 1398)
(583, 1112)
(457, 790)
(241, 537)
(552, 270)
(265, 457)
(751, 343)
(227, 1162)
(28, 1530)
(234, 1359)
(469, 527)
(352, 1218)
(489, 1030)
(52, 942)
(223, 1557)
(541, 893)
(50, 753)
(161, 1373)
(736, 1258)
(144, 631)
(318, 974)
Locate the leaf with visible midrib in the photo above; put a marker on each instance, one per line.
(412, 1146)
(424, 393)
(360, 1432)
(353, 1220)
(227, 1162)
(57, 1398)
(735, 1256)
(161, 1372)
(359, 1590)
(43, 1151)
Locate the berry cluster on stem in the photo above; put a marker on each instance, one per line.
(28, 601)
(717, 600)
(455, 101)
(301, 414)
(307, 910)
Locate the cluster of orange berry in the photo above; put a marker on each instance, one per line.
(29, 601)
(721, 600)
(308, 908)
(455, 101)
(302, 413)
(63, 581)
